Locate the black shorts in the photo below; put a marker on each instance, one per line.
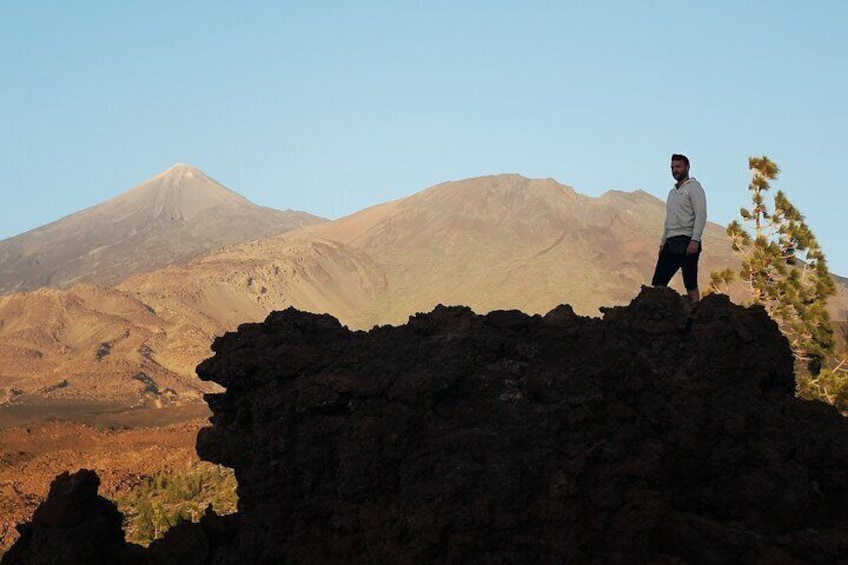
(669, 262)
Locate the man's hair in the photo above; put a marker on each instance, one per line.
(679, 157)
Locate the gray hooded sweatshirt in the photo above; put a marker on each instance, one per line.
(685, 211)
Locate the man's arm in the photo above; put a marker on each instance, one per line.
(699, 204)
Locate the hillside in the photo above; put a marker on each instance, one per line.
(501, 242)
(138, 345)
(97, 345)
(176, 216)
(506, 241)
(243, 283)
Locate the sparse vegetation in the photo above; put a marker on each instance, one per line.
(785, 271)
(104, 350)
(166, 498)
(149, 384)
(54, 387)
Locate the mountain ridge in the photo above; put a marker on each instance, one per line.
(492, 243)
(496, 232)
(181, 192)
(175, 216)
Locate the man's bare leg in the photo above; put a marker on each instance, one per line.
(694, 295)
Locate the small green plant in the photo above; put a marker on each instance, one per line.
(166, 498)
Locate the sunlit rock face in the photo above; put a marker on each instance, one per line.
(659, 433)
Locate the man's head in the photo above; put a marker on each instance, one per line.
(679, 167)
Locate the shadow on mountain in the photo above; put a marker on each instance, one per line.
(657, 434)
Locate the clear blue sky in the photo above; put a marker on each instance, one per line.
(330, 107)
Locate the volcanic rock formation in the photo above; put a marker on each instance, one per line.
(660, 433)
(73, 525)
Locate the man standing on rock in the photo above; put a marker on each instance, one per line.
(685, 219)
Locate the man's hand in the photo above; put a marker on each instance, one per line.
(660, 250)
(692, 248)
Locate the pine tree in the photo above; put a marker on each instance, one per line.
(783, 268)
(831, 385)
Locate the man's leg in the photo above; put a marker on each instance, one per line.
(667, 265)
(690, 276)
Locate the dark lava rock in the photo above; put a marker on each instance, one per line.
(73, 526)
(193, 544)
(659, 434)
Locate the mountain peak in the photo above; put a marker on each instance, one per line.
(180, 173)
(182, 170)
(172, 217)
(181, 191)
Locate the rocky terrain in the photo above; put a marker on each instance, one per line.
(138, 345)
(659, 433)
(94, 344)
(32, 456)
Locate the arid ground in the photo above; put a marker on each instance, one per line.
(123, 447)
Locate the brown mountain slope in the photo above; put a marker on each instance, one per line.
(139, 344)
(509, 242)
(174, 217)
(244, 282)
(502, 242)
(90, 344)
